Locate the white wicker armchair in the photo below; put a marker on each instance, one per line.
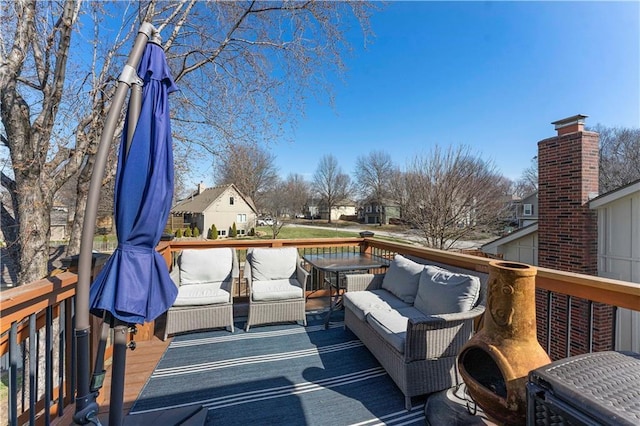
(277, 282)
(205, 280)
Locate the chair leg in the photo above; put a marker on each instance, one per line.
(246, 328)
(407, 403)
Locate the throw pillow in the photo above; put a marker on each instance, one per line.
(443, 292)
(205, 266)
(402, 277)
(273, 263)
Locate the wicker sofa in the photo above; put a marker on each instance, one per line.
(415, 319)
(205, 279)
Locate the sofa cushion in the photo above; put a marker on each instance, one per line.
(271, 290)
(362, 302)
(390, 325)
(441, 291)
(202, 294)
(402, 278)
(205, 266)
(273, 263)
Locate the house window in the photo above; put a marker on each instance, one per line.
(241, 232)
(231, 201)
(368, 209)
(241, 218)
(527, 209)
(222, 232)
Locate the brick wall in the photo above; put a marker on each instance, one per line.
(568, 235)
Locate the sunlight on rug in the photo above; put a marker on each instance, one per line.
(279, 374)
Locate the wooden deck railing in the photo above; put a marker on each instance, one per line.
(38, 318)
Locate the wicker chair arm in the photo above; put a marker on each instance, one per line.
(436, 336)
(361, 282)
(302, 275)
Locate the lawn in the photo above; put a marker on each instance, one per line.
(289, 233)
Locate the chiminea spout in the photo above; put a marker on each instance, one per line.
(494, 364)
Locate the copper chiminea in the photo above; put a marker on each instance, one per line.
(495, 363)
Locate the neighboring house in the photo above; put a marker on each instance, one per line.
(346, 208)
(221, 206)
(527, 210)
(59, 224)
(311, 210)
(521, 245)
(374, 213)
(619, 251)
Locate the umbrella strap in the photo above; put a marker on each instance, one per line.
(133, 248)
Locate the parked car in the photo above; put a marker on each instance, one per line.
(267, 221)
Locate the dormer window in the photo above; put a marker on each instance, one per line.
(231, 201)
(527, 209)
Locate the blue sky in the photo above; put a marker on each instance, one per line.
(491, 75)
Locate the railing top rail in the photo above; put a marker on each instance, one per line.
(619, 293)
(20, 302)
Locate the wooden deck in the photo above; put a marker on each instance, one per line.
(141, 362)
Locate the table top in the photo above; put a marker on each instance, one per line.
(347, 261)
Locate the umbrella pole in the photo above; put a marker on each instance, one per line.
(116, 401)
(86, 405)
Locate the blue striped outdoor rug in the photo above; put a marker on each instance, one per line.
(281, 374)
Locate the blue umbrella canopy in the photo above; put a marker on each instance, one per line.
(134, 285)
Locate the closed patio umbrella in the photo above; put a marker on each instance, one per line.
(134, 286)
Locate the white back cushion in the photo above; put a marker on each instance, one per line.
(205, 266)
(273, 263)
(402, 278)
(445, 292)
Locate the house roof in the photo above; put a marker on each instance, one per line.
(614, 195)
(515, 235)
(199, 203)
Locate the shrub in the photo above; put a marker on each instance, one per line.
(233, 232)
(213, 232)
(179, 233)
(196, 232)
(252, 232)
(188, 233)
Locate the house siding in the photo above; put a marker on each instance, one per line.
(619, 258)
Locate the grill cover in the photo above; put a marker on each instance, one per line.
(601, 388)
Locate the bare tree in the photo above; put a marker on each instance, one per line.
(452, 194)
(251, 168)
(32, 76)
(619, 156)
(374, 174)
(222, 54)
(332, 185)
(528, 182)
(296, 191)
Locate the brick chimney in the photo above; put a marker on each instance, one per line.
(567, 229)
(567, 180)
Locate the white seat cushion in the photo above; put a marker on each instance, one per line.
(272, 290)
(205, 266)
(402, 278)
(392, 325)
(202, 294)
(362, 302)
(273, 263)
(444, 292)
